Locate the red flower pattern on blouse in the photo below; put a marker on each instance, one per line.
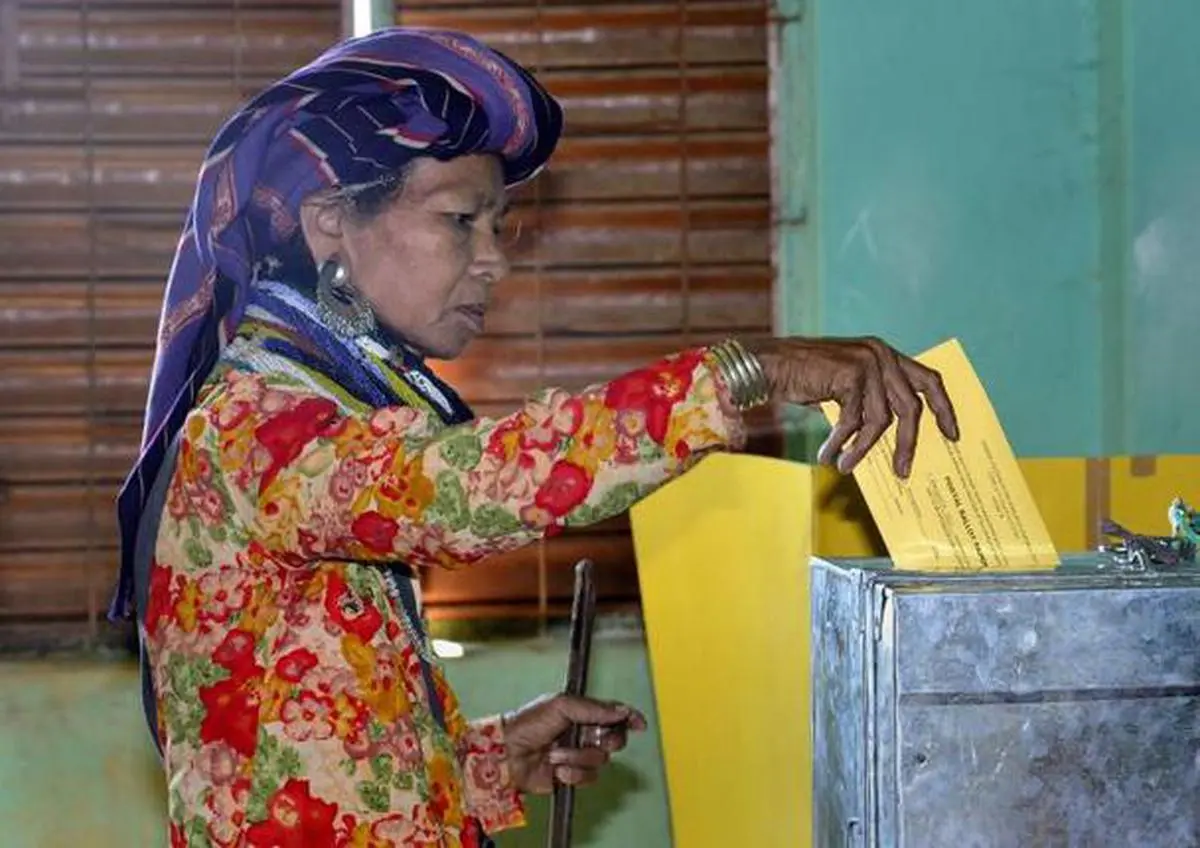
(375, 531)
(285, 434)
(566, 488)
(295, 819)
(230, 715)
(349, 612)
(294, 665)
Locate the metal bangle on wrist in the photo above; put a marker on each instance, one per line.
(743, 373)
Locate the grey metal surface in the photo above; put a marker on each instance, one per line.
(839, 749)
(1050, 710)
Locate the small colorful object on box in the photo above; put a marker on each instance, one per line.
(1145, 553)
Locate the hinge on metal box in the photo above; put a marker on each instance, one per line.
(881, 601)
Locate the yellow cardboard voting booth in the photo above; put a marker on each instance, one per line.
(723, 564)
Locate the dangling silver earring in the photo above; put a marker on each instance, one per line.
(340, 305)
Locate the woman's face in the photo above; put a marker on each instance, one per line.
(429, 261)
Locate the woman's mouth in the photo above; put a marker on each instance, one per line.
(473, 314)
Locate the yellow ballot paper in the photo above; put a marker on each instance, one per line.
(966, 506)
(722, 559)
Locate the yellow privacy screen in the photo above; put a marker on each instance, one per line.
(722, 558)
(966, 506)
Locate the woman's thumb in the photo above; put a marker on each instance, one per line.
(588, 711)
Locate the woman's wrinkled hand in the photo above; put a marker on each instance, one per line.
(872, 383)
(532, 735)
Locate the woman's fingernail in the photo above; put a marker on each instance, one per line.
(558, 756)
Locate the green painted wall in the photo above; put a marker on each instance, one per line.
(76, 767)
(1163, 296)
(1020, 173)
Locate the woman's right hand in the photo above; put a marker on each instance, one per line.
(533, 735)
(871, 382)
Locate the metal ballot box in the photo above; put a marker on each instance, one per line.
(1005, 711)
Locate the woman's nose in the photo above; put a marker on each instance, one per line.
(490, 254)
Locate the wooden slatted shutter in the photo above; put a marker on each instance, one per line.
(106, 107)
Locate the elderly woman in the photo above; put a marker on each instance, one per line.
(300, 459)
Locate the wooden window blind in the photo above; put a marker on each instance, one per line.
(106, 107)
(649, 232)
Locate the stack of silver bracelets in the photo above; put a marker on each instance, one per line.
(743, 373)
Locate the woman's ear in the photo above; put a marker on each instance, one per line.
(321, 223)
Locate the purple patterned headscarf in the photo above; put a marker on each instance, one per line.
(355, 115)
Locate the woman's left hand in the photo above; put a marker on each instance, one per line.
(532, 734)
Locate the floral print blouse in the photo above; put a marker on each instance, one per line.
(291, 707)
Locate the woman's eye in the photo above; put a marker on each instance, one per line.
(465, 220)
